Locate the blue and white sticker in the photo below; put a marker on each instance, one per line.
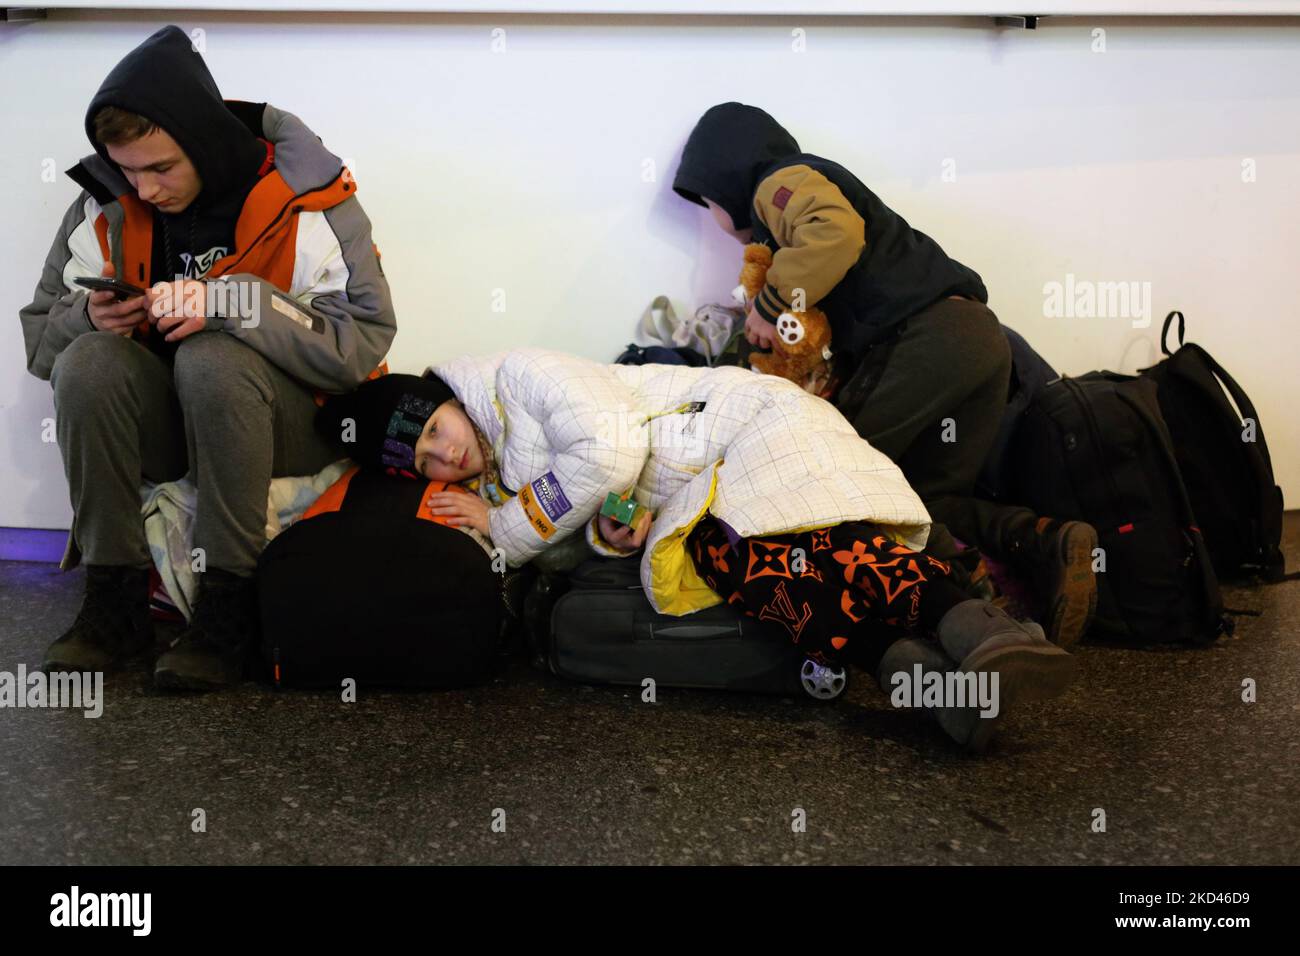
(551, 496)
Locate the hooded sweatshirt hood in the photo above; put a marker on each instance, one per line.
(725, 157)
(166, 80)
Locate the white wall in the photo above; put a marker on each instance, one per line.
(523, 171)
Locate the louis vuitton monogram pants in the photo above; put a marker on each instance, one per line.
(842, 594)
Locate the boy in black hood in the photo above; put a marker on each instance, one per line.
(210, 159)
(263, 288)
(921, 366)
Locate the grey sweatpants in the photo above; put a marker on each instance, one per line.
(219, 411)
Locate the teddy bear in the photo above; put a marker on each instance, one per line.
(802, 349)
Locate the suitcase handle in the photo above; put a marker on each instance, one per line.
(649, 629)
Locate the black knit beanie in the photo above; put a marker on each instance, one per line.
(387, 416)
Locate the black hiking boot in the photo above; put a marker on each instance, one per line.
(112, 627)
(212, 653)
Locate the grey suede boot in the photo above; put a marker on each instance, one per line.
(965, 725)
(984, 638)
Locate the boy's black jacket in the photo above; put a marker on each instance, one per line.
(737, 155)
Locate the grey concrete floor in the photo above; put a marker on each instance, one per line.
(1160, 740)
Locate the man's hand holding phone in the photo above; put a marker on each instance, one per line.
(109, 312)
(179, 308)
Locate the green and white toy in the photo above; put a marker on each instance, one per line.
(623, 508)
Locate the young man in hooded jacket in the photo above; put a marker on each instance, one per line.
(263, 288)
(921, 363)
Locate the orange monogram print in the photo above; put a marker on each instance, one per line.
(851, 587)
(766, 558)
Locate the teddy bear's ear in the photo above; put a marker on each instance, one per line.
(758, 253)
(753, 273)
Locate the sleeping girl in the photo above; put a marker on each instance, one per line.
(759, 495)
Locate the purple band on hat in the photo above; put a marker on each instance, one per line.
(397, 452)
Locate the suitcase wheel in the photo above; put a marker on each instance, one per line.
(821, 682)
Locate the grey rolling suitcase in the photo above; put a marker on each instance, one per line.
(601, 628)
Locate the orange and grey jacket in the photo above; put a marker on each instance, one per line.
(306, 266)
(303, 285)
(833, 239)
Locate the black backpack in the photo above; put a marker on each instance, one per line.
(1095, 448)
(366, 586)
(1229, 478)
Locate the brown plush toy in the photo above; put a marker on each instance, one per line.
(802, 350)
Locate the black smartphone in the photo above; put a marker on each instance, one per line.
(124, 290)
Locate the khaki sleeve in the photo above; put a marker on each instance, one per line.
(819, 233)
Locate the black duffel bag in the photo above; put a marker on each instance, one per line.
(369, 586)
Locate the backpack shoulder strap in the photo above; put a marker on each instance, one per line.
(1164, 444)
(1214, 621)
(1239, 398)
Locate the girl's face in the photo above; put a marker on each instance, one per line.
(448, 448)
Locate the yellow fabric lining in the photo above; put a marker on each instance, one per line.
(671, 565)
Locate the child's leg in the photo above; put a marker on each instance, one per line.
(1013, 660)
(838, 593)
(923, 659)
(776, 579)
(976, 635)
(829, 586)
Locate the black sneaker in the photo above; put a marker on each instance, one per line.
(212, 653)
(112, 627)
